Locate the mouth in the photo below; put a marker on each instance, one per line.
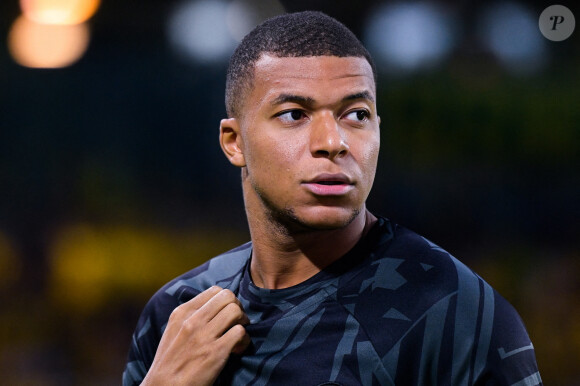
(329, 184)
(331, 179)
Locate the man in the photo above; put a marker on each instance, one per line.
(326, 292)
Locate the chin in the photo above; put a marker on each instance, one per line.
(325, 217)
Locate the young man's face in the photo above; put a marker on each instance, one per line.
(309, 139)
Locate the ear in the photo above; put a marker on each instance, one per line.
(231, 141)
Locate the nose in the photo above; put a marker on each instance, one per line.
(327, 138)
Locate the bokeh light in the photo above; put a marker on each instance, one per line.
(38, 45)
(510, 31)
(207, 31)
(10, 266)
(243, 15)
(62, 12)
(197, 29)
(90, 264)
(406, 37)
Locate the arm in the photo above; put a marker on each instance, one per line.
(511, 358)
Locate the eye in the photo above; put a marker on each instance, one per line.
(291, 116)
(358, 115)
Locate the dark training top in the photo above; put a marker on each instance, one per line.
(395, 310)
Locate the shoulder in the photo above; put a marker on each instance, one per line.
(410, 285)
(437, 307)
(429, 275)
(224, 270)
(429, 266)
(410, 264)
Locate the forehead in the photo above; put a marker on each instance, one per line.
(319, 77)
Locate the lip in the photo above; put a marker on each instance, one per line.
(329, 184)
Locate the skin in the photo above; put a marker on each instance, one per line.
(212, 322)
(303, 118)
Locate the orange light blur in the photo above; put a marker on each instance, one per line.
(47, 46)
(62, 12)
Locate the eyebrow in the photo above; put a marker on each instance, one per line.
(290, 98)
(359, 95)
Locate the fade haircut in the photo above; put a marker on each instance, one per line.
(298, 34)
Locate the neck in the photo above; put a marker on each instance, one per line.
(282, 258)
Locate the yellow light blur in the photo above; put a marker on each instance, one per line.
(10, 267)
(62, 12)
(91, 266)
(47, 46)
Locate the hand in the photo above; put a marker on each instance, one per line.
(199, 337)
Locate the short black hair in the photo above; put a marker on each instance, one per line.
(300, 34)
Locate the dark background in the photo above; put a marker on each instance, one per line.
(112, 182)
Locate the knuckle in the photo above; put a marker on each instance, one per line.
(176, 314)
(214, 289)
(190, 325)
(234, 311)
(228, 295)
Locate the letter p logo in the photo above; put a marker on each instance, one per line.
(557, 23)
(557, 20)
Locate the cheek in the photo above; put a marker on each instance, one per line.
(372, 151)
(283, 154)
(272, 157)
(370, 155)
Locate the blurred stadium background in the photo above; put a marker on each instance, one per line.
(112, 181)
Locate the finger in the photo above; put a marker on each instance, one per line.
(235, 340)
(198, 301)
(187, 309)
(228, 317)
(216, 304)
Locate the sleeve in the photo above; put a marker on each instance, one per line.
(511, 358)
